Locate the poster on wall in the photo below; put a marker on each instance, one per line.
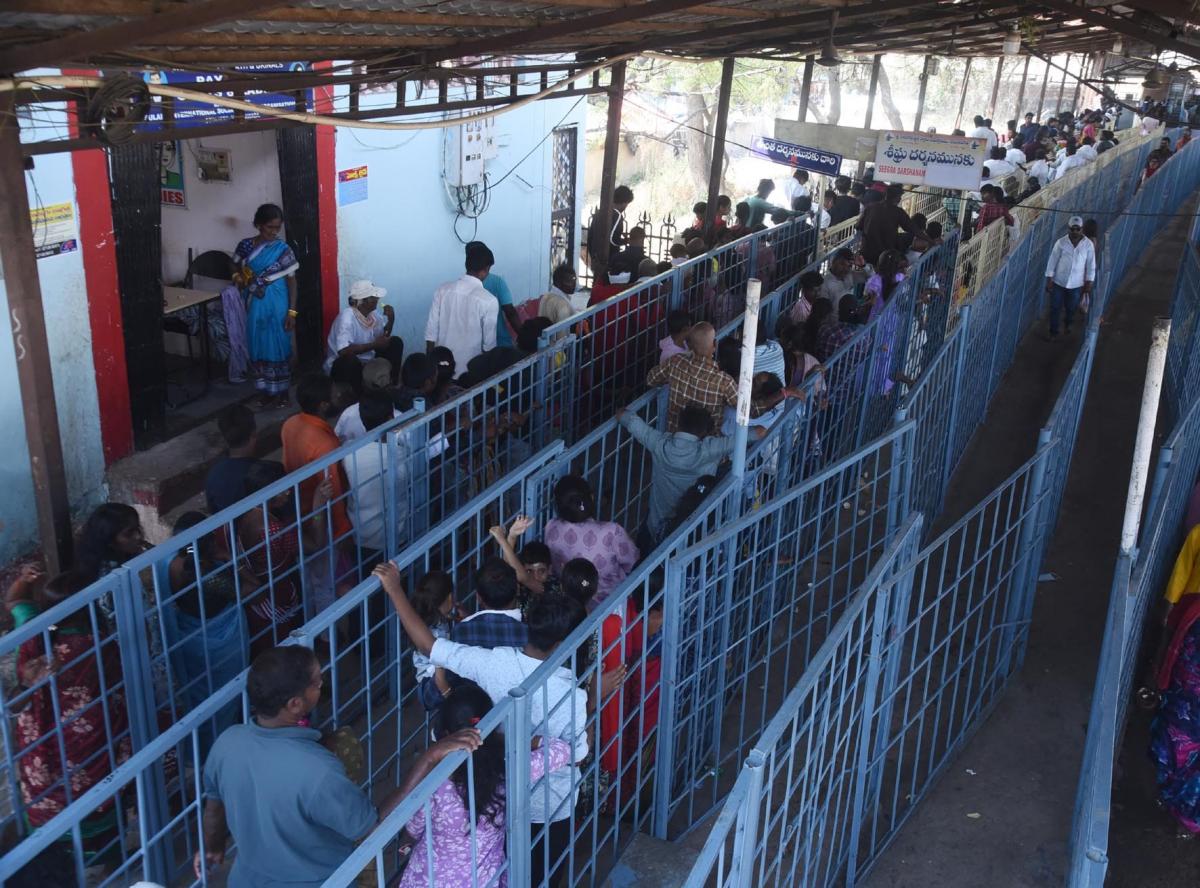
(54, 230)
(930, 159)
(189, 113)
(170, 172)
(352, 185)
(801, 157)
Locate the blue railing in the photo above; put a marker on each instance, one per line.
(798, 516)
(1141, 574)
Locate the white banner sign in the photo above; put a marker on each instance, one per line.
(930, 159)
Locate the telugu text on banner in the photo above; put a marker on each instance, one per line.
(930, 159)
(815, 160)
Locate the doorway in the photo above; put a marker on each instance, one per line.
(179, 209)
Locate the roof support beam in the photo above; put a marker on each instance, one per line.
(34, 376)
(962, 96)
(1124, 26)
(84, 45)
(608, 171)
(1017, 114)
(569, 28)
(925, 66)
(717, 165)
(996, 86)
(806, 86)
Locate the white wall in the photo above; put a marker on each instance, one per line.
(64, 297)
(402, 236)
(218, 214)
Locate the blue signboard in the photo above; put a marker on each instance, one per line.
(815, 160)
(202, 113)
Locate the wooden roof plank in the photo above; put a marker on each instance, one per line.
(83, 45)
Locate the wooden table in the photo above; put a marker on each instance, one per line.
(178, 298)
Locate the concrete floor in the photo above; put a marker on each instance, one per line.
(1019, 772)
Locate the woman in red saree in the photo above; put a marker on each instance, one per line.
(69, 712)
(629, 717)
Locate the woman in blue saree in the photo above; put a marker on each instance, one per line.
(266, 272)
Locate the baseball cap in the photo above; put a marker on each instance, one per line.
(364, 289)
(1075, 222)
(377, 374)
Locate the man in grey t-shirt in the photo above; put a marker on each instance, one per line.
(286, 799)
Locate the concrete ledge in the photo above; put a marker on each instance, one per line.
(159, 480)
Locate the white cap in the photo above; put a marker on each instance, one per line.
(1075, 222)
(364, 289)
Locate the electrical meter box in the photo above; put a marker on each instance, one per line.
(464, 154)
(490, 148)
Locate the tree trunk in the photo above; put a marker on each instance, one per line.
(699, 144)
(835, 94)
(885, 96)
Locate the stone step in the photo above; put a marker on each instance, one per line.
(165, 480)
(648, 862)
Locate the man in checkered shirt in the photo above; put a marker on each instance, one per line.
(695, 378)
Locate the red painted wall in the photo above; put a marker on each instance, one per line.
(103, 296)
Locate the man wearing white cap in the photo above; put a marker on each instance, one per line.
(361, 331)
(1070, 271)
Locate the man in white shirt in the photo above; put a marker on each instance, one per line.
(842, 277)
(1087, 149)
(796, 186)
(368, 474)
(463, 315)
(1069, 162)
(1015, 155)
(983, 132)
(558, 708)
(1070, 272)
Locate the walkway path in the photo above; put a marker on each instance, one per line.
(1000, 815)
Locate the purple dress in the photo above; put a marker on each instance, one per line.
(604, 543)
(450, 843)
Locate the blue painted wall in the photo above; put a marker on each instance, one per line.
(403, 237)
(64, 297)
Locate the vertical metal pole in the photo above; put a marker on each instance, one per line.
(963, 334)
(874, 86)
(129, 606)
(1165, 457)
(418, 471)
(921, 94)
(1029, 546)
(867, 738)
(664, 774)
(878, 60)
(1144, 442)
(1084, 61)
(718, 142)
(745, 838)
(608, 170)
(1038, 115)
(1062, 86)
(806, 87)
(35, 378)
(996, 87)
(516, 777)
(749, 340)
(962, 96)
(1021, 93)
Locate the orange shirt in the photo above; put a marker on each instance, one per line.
(307, 438)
